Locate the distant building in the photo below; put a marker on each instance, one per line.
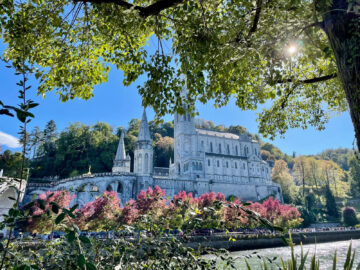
(204, 161)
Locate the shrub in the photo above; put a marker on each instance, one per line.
(349, 216)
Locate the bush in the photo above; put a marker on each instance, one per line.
(349, 216)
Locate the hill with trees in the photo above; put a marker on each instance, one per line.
(312, 182)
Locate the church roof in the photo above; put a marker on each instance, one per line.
(144, 132)
(226, 135)
(120, 152)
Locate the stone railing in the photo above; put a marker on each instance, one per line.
(160, 171)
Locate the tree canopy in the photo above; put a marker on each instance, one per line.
(300, 55)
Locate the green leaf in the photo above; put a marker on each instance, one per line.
(84, 239)
(81, 260)
(71, 236)
(73, 208)
(59, 218)
(41, 204)
(90, 266)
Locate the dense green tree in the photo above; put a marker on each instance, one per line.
(36, 140)
(11, 164)
(280, 174)
(341, 156)
(331, 207)
(164, 151)
(354, 165)
(303, 55)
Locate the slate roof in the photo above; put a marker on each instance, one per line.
(226, 135)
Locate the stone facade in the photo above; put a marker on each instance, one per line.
(204, 161)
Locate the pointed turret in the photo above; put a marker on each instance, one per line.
(121, 161)
(120, 153)
(143, 153)
(144, 132)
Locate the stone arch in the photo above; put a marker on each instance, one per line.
(120, 188)
(109, 187)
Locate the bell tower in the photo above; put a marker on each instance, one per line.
(143, 163)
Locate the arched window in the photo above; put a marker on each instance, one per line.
(211, 147)
(119, 188)
(235, 165)
(202, 144)
(228, 149)
(220, 148)
(208, 162)
(139, 169)
(200, 166)
(109, 188)
(227, 164)
(236, 150)
(218, 163)
(146, 161)
(193, 166)
(179, 168)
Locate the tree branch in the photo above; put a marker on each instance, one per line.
(312, 80)
(152, 9)
(256, 18)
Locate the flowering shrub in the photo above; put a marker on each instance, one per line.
(100, 214)
(183, 212)
(38, 223)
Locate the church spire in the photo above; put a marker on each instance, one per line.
(144, 132)
(120, 153)
(121, 161)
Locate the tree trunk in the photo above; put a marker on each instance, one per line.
(342, 27)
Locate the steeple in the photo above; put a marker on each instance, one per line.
(121, 161)
(144, 132)
(120, 153)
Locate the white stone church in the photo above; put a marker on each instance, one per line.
(204, 161)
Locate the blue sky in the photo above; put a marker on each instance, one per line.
(117, 105)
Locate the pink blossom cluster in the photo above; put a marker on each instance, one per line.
(105, 211)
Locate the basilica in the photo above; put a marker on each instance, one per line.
(204, 161)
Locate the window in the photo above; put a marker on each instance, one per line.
(235, 165)
(227, 164)
(218, 163)
(220, 148)
(208, 162)
(236, 150)
(202, 144)
(211, 147)
(146, 163)
(109, 188)
(244, 166)
(200, 166)
(228, 149)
